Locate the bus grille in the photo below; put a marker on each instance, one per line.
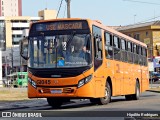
(65, 90)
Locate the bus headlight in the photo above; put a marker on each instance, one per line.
(29, 80)
(84, 81)
(80, 83)
(33, 83)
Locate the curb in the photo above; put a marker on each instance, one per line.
(153, 91)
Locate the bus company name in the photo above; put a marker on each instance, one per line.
(64, 26)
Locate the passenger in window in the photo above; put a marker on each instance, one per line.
(80, 48)
(56, 48)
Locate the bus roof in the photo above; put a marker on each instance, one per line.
(119, 34)
(99, 24)
(60, 19)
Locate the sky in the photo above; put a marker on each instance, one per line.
(109, 12)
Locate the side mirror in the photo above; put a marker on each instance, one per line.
(24, 48)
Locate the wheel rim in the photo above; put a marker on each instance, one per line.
(106, 94)
(138, 92)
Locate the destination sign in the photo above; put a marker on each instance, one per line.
(69, 25)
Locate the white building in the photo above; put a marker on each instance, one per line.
(10, 7)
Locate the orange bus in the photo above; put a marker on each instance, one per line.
(83, 59)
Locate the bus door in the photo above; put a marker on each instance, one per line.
(99, 71)
(118, 70)
(142, 62)
(125, 66)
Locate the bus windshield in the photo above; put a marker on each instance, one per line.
(58, 51)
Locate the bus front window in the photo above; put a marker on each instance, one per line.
(60, 51)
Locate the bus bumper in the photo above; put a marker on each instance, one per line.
(86, 91)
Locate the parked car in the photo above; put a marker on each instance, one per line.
(154, 76)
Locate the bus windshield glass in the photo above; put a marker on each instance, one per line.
(60, 50)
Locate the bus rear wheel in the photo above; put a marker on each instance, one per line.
(106, 99)
(137, 92)
(55, 102)
(136, 95)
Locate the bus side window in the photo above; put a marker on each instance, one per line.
(97, 35)
(116, 45)
(124, 50)
(108, 45)
(140, 56)
(144, 51)
(134, 54)
(98, 43)
(130, 54)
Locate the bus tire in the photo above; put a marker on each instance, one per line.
(137, 92)
(128, 97)
(107, 98)
(94, 100)
(54, 102)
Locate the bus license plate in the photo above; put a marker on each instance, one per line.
(56, 91)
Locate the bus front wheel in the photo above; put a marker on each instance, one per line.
(106, 99)
(54, 102)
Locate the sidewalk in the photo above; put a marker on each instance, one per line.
(17, 98)
(154, 88)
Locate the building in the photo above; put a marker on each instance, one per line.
(148, 33)
(13, 29)
(10, 7)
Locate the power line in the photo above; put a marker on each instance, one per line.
(145, 3)
(59, 8)
(142, 2)
(148, 19)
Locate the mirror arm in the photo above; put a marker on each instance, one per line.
(26, 58)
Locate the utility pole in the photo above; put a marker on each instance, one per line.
(68, 8)
(12, 58)
(1, 83)
(6, 65)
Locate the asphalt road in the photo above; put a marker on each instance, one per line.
(149, 101)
